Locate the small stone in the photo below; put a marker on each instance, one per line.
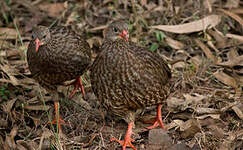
(158, 139)
(191, 127)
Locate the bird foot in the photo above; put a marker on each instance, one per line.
(127, 142)
(156, 124)
(78, 84)
(158, 121)
(59, 122)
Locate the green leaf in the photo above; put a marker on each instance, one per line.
(154, 46)
(159, 35)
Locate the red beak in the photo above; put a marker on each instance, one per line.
(37, 44)
(124, 35)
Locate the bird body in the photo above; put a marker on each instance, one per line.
(126, 77)
(64, 56)
(56, 55)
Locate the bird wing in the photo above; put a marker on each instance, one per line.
(160, 66)
(66, 52)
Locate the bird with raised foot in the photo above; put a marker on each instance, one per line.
(56, 55)
(126, 77)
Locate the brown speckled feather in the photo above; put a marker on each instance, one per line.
(126, 77)
(64, 56)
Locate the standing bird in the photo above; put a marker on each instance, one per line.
(56, 55)
(126, 78)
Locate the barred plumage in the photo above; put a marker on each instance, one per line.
(56, 55)
(126, 77)
(63, 56)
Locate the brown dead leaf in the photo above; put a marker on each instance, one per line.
(214, 116)
(10, 54)
(26, 82)
(8, 33)
(54, 9)
(233, 15)
(179, 65)
(174, 43)
(232, 4)
(7, 107)
(20, 147)
(236, 37)
(174, 124)
(189, 128)
(237, 10)
(218, 132)
(226, 79)
(95, 29)
(179, 104)
(9, 71)
(26, 145)
(194, 99)
(228, 142)
(10, 138)
(233, 62)
(220, 38)
(229, 106)
(202, 110)
(238, 110)
(176, 104)
(206, 51)
(195, 26)
(17, 62)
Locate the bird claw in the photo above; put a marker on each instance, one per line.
(158, 121)
(127, 142)
(57, 117)
(60, 121)
(124, 145)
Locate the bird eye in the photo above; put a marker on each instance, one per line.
(33, 36)
(115, 29)
(44, 36)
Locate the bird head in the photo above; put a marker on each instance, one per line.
(117, 30)
(41, 35)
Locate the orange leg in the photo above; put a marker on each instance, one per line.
(159, 119)
(127, 142)
(78, 84)
(57, 119)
